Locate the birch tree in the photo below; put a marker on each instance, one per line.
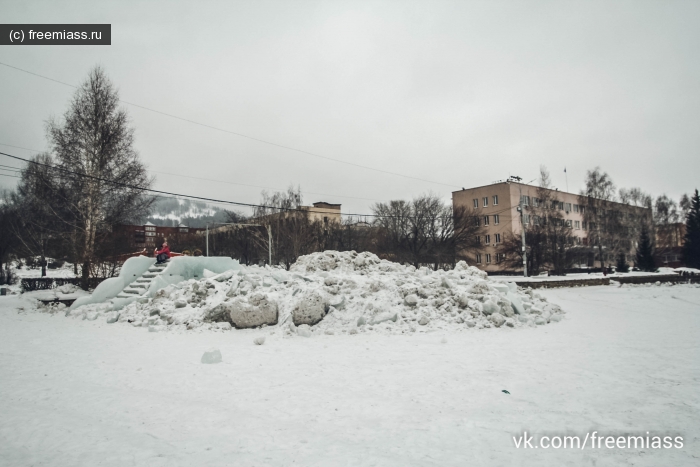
(93, 149)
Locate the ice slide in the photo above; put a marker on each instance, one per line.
(141, 277)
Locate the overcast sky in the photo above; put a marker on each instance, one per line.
(460, 93)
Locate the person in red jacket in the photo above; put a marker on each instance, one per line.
(163, 254)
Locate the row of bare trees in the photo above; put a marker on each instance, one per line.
(422, 231)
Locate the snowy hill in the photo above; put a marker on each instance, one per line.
(170, 212)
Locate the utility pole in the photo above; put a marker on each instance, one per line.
(522, 236)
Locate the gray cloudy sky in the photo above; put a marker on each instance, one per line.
(462, 93)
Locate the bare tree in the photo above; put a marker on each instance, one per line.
(635, 197)
(599, 219)
(425, 231)
(9, 241)
(41, 218)
(292, 231)
(98, 165)
(666, 211)
(685, 206)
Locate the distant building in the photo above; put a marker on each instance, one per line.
(496, 205)
(325, 213)
(150, 236)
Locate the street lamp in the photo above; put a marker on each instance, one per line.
(522, 222)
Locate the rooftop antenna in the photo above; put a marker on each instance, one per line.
(567, 180)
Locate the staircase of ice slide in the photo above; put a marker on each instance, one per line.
(138, 287)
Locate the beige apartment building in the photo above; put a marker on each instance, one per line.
(496, 206)
(325, 213)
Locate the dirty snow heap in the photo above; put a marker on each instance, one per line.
(336, 292)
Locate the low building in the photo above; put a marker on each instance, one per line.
(323, 212)
(150, 236)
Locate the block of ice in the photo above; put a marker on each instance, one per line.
(213, 355)
(497, 319)
(183, 268)
(515, 302)
(310, 309)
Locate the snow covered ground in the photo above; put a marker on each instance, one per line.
(624, 360)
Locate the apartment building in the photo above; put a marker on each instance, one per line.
(323, 212)
(496, 207)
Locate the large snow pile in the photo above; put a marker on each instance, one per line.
(336, 292)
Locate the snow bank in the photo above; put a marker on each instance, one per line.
(336, 292)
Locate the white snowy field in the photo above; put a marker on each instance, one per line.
(625, 360)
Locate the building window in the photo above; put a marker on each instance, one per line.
(568, 207)
(495, 200)
(486, 201)
(150, 234)
(525, 200)
(478, 239)
(487, 239)
(568, 223)
(536, 202)
(486, 220)
(488, 258)
(498, 238)
(478, 258)
(183, 230)
(151, 228)
(575, 207)
(526, 218)
(582, 209)
(476, 203)
(478, 221)
(500, 257)
(577, 224)
(584, 225)
(496, 219)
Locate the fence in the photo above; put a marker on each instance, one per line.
(47, 283)
(666, 278)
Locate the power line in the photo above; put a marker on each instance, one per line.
(219, 181)
(178, 196)
(302, 151)
(201, 198)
